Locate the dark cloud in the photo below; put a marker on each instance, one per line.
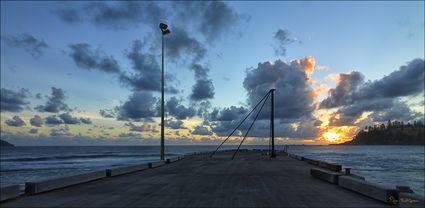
(381, 97)
(33, 131)
(13, 101)
(27, 42)
(203, 89)
(342, 94)
(200, 71)
(36, 121)
(125, 14)
(180, 44)
(407, 81)
(140, 105)
(201, 130)
(212, 18)
(174, 124)
(293, 91)
(15, 121)
(86, 120)
(147, 74)
(68, 119)
(282, 39)
(107, 113)
(132, 135)
(232, 113)
(174, 108)
(55, 102)
(85, 58)
(68, 15)
(52, 120)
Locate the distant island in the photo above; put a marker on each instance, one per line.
(5, 144)
(394, 133)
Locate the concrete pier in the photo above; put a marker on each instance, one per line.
(250, 180)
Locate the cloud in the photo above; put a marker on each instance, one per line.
(86, 120)
(132, 135)
(148, 73)
(68, 15)
(282, 39)
(60, 132)
(203, 89)
(68, 119)
(140, 105)
(353, 96)
(13, 101)
(85, 58)
(180, 44)
(107, 113)
(125, 14)
(174, 108)
(52, 120)
(293, 91)
(16, 121)
(33, 131)
(201, 130)
(200, 71)
(174, 124)
(36, 121)
(407, 81)
(143, 128)
(212, 18)
(27, 42)
(55, 102)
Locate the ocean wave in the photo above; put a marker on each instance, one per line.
(73, 157)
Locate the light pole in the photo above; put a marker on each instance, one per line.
(164, 32)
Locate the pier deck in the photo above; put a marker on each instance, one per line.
(251, 180)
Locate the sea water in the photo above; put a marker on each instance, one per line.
(393, 165)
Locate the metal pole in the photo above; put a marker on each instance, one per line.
(273, 155)
(162, 102)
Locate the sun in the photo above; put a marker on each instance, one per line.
(331, 136)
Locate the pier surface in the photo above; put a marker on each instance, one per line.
(250, 180)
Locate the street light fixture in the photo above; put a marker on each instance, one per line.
(164, 31)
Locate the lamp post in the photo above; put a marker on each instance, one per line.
(164, 32)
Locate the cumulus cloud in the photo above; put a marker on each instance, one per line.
(174, 124)
(86, 120)
(107, 113)
(27, 42)
(140, 105)
(203, 89)
(55, 102)
(201, 130)
(36, 121)
(86, 58)
(52, 120)
(176, 109)
(33, 131)
(293, 91)
(68, 119)
(16, 121)
(353, 96)
(13, 101)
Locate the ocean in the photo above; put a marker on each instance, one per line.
(393, 165)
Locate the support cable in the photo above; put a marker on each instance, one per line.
(267, 95)
(256, 116)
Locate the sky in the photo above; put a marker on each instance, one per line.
(89, 73)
